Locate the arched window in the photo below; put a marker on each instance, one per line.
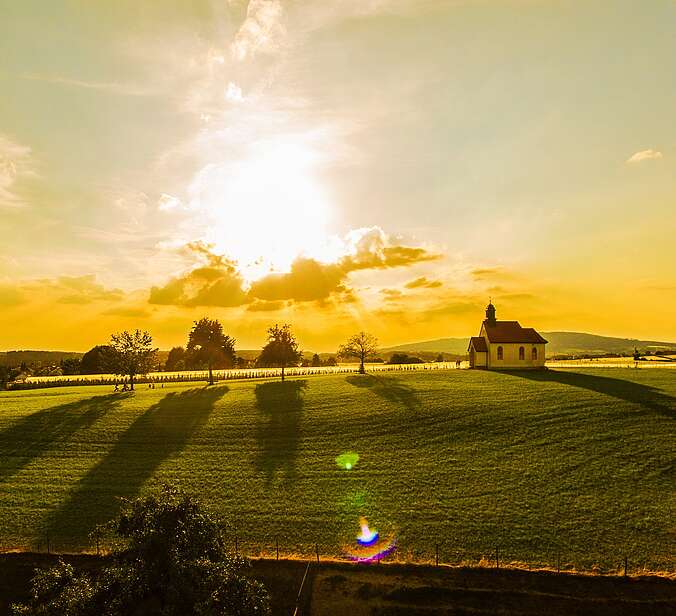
(534, 353)
(522, 353)
(499, 352)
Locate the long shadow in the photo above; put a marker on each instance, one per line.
(35, 434)
(278, 431)
(159, 433)
(629, 391)
(387, 387)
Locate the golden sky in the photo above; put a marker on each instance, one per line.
(385, 165)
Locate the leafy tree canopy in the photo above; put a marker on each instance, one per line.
(96, 360)
(172, 561)
(132, 354)
(281, 349)
(208, 345)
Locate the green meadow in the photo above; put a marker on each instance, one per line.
(576, 465)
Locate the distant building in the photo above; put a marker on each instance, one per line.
(506, 345)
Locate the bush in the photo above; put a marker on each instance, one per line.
(172, 562)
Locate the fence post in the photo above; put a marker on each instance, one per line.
(317, 551)
(437, 554)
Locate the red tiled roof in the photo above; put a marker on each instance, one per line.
(478, 343)
(511, 331)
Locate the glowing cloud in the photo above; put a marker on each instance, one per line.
(644, 155)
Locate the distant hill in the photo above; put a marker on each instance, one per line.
(560, 343)
(41, 358)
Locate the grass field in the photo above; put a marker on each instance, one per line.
(577, 462)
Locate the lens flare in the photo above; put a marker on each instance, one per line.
(347, 460)
(367, 536)
(371, 546)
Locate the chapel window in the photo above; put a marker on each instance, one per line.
(500, 354)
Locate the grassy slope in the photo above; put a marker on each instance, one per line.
(577, 460)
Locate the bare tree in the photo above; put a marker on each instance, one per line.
(363, 346)
(131, 353)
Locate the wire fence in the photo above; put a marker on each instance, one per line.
(238, 374)
(558, 557)
(232, 374)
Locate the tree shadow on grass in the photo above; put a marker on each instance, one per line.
(278, 432)
(387, 387)
(629, 391)
(159, 433)
(33, 435)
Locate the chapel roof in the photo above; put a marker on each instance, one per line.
(479, 344)
(511, 332)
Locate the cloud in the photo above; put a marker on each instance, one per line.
(391, 295)
(77, 290)
(308, 280)
(372, 248)
(645, 155)
(233, 93)
(264, 306)
(423, 283)
(167, 203)
(15, 163)
(261, 31)
(311, 280)
(215, 283)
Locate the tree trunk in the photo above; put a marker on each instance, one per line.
(131, 382)
(211, 376)
(282, 373)
(361, 364)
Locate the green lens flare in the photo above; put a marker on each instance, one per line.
(347, 460)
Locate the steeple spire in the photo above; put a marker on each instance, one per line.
(490, 313)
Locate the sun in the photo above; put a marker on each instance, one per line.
(266, 209)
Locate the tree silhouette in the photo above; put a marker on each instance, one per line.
(207, 344)
(175, 359)
(132, 353)
(363, 346)
(316, 361)
(96, 360)
(170, 559)
(281, 349)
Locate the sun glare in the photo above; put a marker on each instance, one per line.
(266, 209)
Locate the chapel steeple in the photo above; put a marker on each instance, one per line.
(490, 313)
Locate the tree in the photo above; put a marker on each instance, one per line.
(171, 561)
(207, 344)
(96, 360)
(281, 349)
(363, 346)
(175, 359)
(316, 361)
(71, 365)
(132, 353)
(440, 357)
(403, 358)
